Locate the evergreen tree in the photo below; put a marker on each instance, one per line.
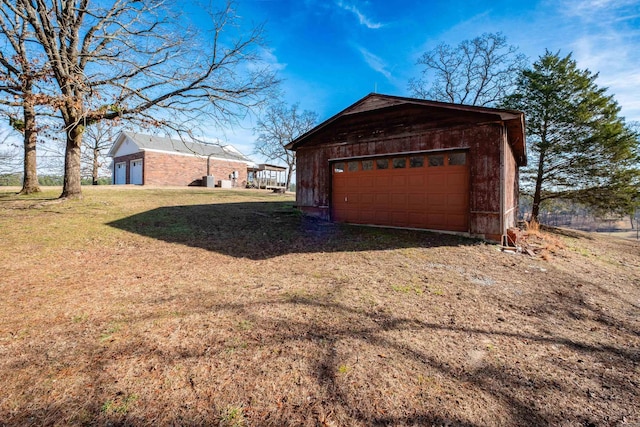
(580, 149)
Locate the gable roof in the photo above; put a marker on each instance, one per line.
(170, 145)
(514, 120)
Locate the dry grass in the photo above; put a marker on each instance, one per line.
(209, 307)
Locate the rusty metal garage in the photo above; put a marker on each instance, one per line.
(414, 163)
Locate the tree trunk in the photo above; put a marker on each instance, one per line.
(289, 174)
(94, 172)
(535, 207)
(71, 187)
(30, 180)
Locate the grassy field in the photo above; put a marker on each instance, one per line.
(197, 306)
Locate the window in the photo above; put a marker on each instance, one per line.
(352, 166)
(456, 159)
(416, 161)
(367, 165)
(338, 167)
(399, 163)
(382, 164)
(436, 160)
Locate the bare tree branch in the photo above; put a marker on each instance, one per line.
(130, 59)
(279, 126)
(481, 71)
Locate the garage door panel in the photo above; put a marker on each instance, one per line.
(382, 200)
(437, 201)
(351, 214)
(135, 173)
(436, 182)
(438, 221)
(416, 219)
(367, 199)
(399, 181)
(456, 201)
(365, 182)
(416, 180)
(416, 201)
(380, 181)
(399, 219)
(382, 218)
(432, 197)
(367, 216)
(398, 201)
(456, 180)
(457, 222)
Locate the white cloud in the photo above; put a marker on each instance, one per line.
(375, 62)
(596, 10)
(607, 42)
(270, 58)
(364, 20)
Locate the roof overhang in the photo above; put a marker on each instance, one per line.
(268, 167)
(512, 119)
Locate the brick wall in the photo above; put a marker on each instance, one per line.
(169, 169)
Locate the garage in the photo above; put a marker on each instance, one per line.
(419, 190)
(414, 163)
(136, 172)
(120, 173)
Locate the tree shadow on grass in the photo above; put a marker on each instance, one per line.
(262, 230)
(504, 382)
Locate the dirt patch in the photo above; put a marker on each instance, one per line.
(200, 307)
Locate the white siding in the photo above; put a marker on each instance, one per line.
(127, 147)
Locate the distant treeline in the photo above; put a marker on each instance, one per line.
(15, 179)
(566, 213)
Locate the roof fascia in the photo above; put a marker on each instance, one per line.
(504, 115)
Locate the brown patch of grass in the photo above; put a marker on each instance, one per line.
(206, 307)
(537, 240)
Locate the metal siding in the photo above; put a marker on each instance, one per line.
(483, 140)
(511, 187)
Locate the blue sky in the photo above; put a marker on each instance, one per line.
(332, 53)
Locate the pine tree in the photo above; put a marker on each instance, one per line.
(579, 146)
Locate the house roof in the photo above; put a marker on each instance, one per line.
(170, 145)
(268, 167)
(514, 120)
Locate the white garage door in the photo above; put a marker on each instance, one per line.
(121, 173)
(135, 176)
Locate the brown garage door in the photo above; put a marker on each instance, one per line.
(417, 190)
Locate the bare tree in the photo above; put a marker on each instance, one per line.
(129, 59)
(21, 69)
(279, 126)
(9, 156)
(96, 140)
(480, 72)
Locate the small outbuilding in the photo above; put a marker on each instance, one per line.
(271, 177)
(413, 163)
(155, 160)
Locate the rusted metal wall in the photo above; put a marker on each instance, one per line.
(511, 187)
(483, 141)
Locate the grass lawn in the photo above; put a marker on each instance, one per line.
(197, 306)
